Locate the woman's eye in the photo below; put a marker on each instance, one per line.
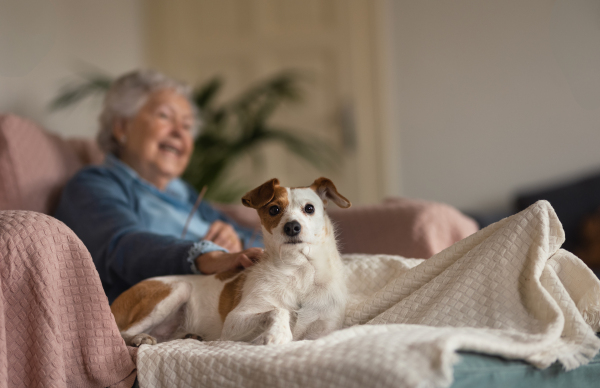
(309, 209)
(163, 115)
(274, 210)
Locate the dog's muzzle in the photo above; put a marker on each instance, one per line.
(292, 228)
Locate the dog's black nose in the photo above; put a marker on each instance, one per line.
(292, 228)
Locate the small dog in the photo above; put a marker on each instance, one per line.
(297, 290)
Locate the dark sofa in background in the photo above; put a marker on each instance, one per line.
(576, 201)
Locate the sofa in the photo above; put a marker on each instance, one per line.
(56, 327)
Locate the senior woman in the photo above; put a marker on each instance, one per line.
(130, 212)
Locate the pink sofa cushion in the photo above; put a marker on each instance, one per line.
(35, 165)
(401, 226)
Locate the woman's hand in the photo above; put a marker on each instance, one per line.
(218, 261)
(223, 234)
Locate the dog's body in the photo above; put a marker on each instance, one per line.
(296, 291)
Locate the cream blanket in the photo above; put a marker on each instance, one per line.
(506, 290)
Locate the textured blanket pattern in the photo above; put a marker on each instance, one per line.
(56, 328)
(507, 290)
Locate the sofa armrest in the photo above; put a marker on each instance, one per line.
(399, 226)
(57, 326)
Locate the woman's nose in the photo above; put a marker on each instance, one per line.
(177, 128)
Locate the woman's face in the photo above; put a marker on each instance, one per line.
(158, 141)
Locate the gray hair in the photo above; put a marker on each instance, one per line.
(127, 95)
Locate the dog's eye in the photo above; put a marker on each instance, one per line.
(274, 210)
(309, 209)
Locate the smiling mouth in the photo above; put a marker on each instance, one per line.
(169, 148)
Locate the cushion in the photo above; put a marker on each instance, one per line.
(401, 226)
(35, 164)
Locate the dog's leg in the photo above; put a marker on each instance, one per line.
(323, 325)
(277, 328)
(163, 320)
(243, 325)
(261, 328)
(319, 328)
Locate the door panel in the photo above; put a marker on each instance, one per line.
(330, 41)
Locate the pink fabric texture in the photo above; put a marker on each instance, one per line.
(86, 150)
(35, 165)
(399, 226)
(56, 328)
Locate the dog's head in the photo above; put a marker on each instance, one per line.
(297, 215)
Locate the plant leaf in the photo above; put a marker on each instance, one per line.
(74, 92)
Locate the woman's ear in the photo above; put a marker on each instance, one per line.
(327, 191)
(261, 195)
(119, 130)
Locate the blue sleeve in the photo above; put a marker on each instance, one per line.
(100, 211)
(250, 237)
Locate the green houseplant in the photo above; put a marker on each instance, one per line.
(229, 130)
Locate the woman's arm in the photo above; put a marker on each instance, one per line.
(100, 210)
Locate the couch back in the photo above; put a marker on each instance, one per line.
(35, 164)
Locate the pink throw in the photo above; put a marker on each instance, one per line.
(56, 328)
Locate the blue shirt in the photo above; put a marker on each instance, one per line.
(132, 229)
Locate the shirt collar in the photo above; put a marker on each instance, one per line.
(176, 188)
(114, 163)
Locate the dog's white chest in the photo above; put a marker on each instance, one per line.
(313, 297)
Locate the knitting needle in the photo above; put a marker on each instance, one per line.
(189, 219)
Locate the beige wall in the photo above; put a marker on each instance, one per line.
(494, 96)
(43, 43)
(488, 96)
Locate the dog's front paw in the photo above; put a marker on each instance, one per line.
(273, 338)
(142, 339)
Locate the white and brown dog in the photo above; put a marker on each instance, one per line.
(297, 290)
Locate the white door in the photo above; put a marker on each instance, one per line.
(337, 43)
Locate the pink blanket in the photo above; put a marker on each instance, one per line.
(56, 328)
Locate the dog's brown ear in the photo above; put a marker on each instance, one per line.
(326, 190)
(261, 195)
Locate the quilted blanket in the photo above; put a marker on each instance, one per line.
(506, 290)
(56, 328)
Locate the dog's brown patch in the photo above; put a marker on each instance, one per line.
(280, 199)
(327, 191)
(231, 295)
(263, 198)
(137, 303)
(260, 196)
(228, 274)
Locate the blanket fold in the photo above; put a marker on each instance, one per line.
(507, 290)
(56, 328)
